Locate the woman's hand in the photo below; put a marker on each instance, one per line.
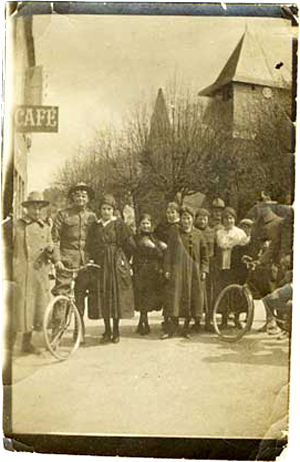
(148, 243)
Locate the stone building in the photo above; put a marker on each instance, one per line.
(256, 76)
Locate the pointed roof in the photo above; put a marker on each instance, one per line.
(255, 63)
(160, 123)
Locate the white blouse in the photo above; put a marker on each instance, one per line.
(226, 240)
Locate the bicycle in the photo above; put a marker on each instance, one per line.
(233, 311)
(62, 325)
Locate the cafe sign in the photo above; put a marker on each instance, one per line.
(30, 119)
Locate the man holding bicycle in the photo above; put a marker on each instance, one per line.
(69, 233)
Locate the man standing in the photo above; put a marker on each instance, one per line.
(31, 252)
(69, 233)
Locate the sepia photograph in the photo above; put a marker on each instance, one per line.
(148, 178)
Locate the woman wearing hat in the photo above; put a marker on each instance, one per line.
(226, 239)
(186, 265)
(31, 252)
(110, 244)
(148, 273)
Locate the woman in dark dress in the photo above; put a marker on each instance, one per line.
(110, 245)
(162, 232)
(148, 275)
(186, 265)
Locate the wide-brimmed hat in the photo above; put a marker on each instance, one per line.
(82, 187)
(35, 197)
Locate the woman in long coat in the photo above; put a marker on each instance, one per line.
(186, 265)
(31, 252)
(109, 244)
(148, 274)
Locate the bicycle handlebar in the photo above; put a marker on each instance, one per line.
(250, 263)
(81, 268)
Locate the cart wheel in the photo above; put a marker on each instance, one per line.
(233, 312)
(62, 327)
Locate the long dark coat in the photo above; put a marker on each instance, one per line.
(186, 258)
(148, 277)
(110, 247)
(30, 273)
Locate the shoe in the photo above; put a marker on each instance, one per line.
(209, 328)
(224, 323)
(186, 334)
(31, 349)
(106, 338)
(238, 324)
(272, 328)
(283, 336)
(116, 339)
(196, 328)
(164, 336)
(263, 329)
(147, 329)
(139, 329)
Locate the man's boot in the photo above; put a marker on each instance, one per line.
(27, 346)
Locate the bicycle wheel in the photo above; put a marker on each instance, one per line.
(233, 312)
(62, 327)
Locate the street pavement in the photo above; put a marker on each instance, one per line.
(148, 386)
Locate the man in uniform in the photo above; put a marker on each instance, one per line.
(69, 234)
(217, 208)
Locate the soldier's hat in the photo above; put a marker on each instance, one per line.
(35, 197)
(81, 187)
(218, 203)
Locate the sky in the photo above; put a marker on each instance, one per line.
(97, 68)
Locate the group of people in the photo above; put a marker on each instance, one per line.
(179, 266)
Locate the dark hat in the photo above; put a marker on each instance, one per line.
(229, 211)
(108, 199)
(35, 197)
(202, 213)
(81, 187)
(218, 203)
(187, 209)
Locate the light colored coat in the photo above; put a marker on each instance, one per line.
(30, 274)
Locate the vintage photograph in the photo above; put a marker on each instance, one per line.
(147, 223)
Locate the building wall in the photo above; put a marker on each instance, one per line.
(26, 89)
